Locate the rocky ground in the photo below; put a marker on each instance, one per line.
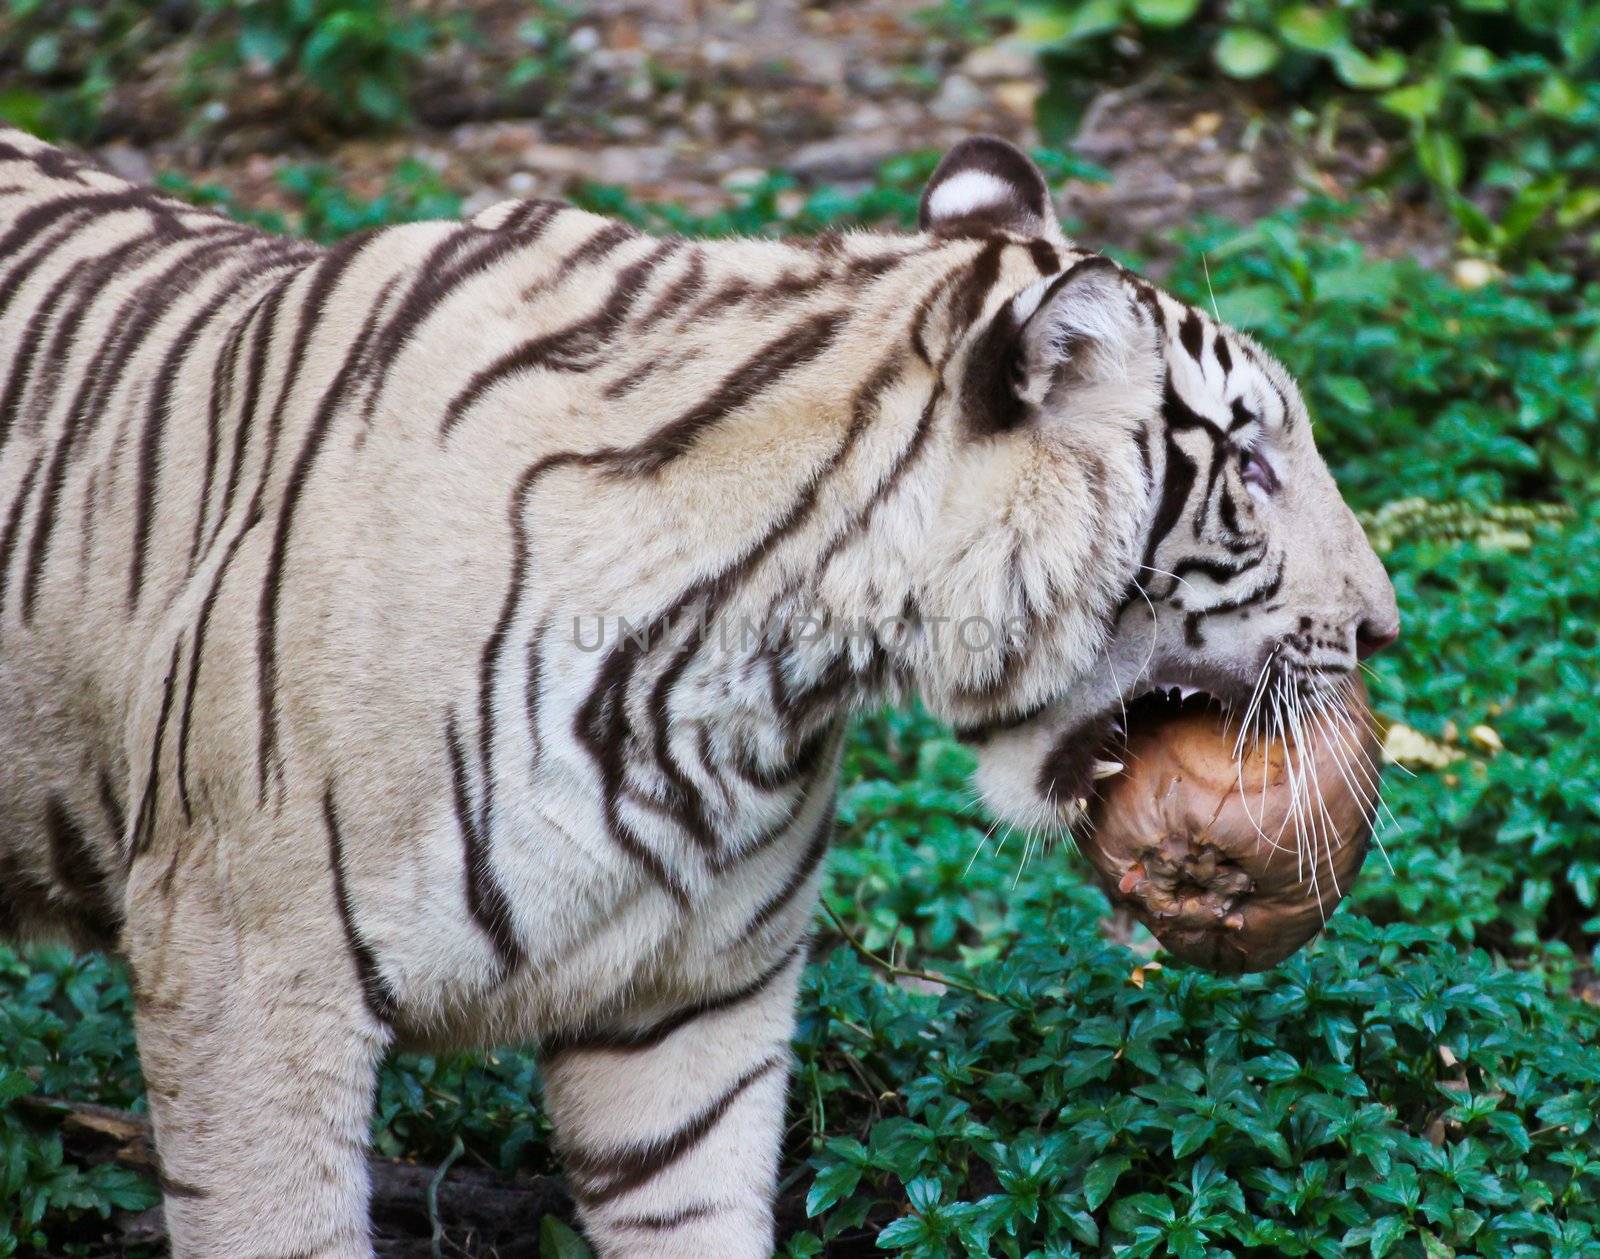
(685, 100)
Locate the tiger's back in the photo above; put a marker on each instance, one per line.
(236, 515)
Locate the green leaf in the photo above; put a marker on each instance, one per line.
(1442, 158)
(1529, 206)
(1386, 1233)
(1061, 26)
(1357, 69)
(24, 109)
(1416, 101)
(923, 1193)
(1313, 29)
(1349, 393)
(557, 1241)
(380, 101)
(1559, 98)
(43, 54)
(832, 1183)
(1164, 14)
(1189, 1133)
(264, 42)
(1251, 306)
(1244, 53)
(1471, 61)
(1101, 1178)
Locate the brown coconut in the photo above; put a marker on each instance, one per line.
(1234, 878)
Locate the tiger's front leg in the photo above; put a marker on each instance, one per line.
(670, 1129)
(260, 1059)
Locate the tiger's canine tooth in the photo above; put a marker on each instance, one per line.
(1107, 769)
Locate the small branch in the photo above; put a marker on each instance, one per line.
(888, 967)
(434, 1221)
(416, 1208)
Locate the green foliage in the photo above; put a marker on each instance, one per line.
(1502, 846)
(1419, 386)
(1503, 526)
(353, 58)
(64, 1033)
(351, 63)
(772, 205)
(1494, 96)
(546, 57)
(325, 210)
(59, 61)
(1416, 1084)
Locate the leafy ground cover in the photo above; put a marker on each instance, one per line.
(1496, 100)
(1421, 1082)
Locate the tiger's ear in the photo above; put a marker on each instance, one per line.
(1070, 332)
(984, 186)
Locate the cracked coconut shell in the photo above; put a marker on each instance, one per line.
(1227, 877)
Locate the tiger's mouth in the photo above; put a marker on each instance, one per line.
(1095, 750)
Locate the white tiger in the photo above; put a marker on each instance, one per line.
(443, 639)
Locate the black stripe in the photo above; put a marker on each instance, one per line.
(685, 802)
(603, 242)
(379, 998)
(265, 313)
(1044, 256)
(103, 371)
(1177, 481)
(789, 351)
(684, 289)
(54, 221)
(433, 281)
(116, 822)
(1179, 414)
(1192, 335)
(639, 1039)
(160, 407)
(530, 219)
(1219, 571)
(130, 327)
(197, 656)
(598, 1178)
(903, 463)
(1228, 511)
(486, 899)
(9, 535)
(975, 288)
(224, 372)
(589, 723)
(665, 1223)
(810, 859)
(568, 349)
(277, 558)
(801, 764)
(145, 815)
(20, 373)
(1262, 593)
(1219, 460)
(74, 864)
(601, 725)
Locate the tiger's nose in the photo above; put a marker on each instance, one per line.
(1372, 636)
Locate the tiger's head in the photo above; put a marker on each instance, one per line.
(1138, 504)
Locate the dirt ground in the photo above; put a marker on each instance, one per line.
(684, 100)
